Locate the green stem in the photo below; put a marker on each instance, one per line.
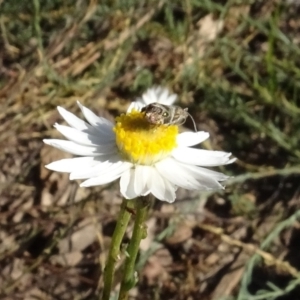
(123, 220)
(139, 232)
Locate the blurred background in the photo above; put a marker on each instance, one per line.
(234, 64)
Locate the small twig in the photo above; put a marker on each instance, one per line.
(268, 258)
(265, 173)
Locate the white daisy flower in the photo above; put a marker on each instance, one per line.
(147, 158)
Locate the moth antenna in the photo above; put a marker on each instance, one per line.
(195, 127)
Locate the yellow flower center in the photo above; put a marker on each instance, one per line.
(141, 142)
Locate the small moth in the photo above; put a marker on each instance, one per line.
(159, 114)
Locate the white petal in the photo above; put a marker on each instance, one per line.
(104, 126)
(145, 100)
(127, 184)
(201, 157)
(109, 176)
(150, 96)
(170, 100)
(156, 184)
(162, 95)
(106, 163)
(187, 139)
(185, 175)
(170, 190)
(72, 120)
(140, 180)
(203, 171)
(93, 119)
(165, 97)
(76, 149)
(207, 178)
(173, 171)
(69, 165)
(84, 138)
(79, 124)
(157, 94)
(135, 105)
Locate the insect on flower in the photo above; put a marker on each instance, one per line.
(159, 114)
(145, 160)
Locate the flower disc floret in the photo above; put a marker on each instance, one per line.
(141, 142)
